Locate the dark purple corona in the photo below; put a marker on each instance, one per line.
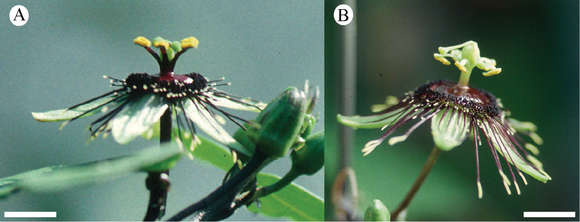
(471, 101)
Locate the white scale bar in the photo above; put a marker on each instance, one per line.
(549, 214)
(29, 214)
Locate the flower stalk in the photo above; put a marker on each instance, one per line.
(158, 182)
(418, 182)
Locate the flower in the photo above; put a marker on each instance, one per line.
(457, 110)
(139, 101)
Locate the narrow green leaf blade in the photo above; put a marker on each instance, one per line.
(58, 178)
(213, 153)
(67, 114)
(137, 117)
(292, 201)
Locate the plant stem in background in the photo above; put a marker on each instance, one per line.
(158, 182)
(418, 182)
(346, 199)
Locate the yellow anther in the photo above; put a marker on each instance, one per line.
(461, 65)
(142, 41)
(159, 42)
(467, 57)
(493, 72)
(189, 42)
(441, 59)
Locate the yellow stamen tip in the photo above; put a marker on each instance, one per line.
(493, 72)
(461, 67)
(441, 59)
(190, 42)
(507, 188)
(397, 139)
(370, 146)
(523, 178)
(505, 178)
(142, 41)
(161, 44)
(479, 190)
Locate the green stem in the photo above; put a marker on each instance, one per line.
(418, 182)
(223, 196)
(464, 78)
(284, 181)
(158, 182)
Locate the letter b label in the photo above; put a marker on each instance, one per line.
(343, 14)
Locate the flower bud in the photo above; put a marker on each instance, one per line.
(280, 123)
(377, 211)
(309, 158)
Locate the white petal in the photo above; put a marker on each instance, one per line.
(137, 117)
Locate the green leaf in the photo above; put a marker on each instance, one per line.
(137, 117)
(58, 178)
(292, 201)
(67, 114)
(213, 153)
(448, 134)
(208, 124)
(371, 121)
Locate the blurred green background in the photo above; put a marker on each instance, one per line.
(536, 44)
(58, 58)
